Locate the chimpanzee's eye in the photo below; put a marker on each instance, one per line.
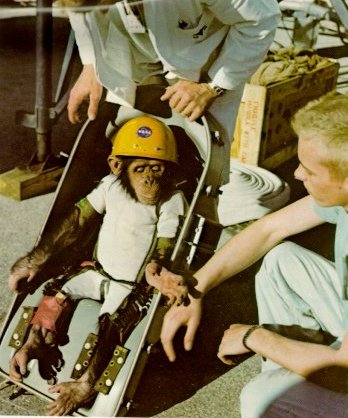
(156, 168)
(139, 169)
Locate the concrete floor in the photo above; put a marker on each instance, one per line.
(20, 224)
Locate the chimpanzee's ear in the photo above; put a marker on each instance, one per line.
(115, 165)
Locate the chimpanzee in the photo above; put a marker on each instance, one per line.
(141, 211)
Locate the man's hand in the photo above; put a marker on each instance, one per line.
(86, 88)
(169, 284)
(188, 98)
(232, 343)
(175, 318)
(22, 273)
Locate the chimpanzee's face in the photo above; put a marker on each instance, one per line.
(145, 178)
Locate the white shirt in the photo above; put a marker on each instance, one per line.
(338, 215)
(129, 227)
(226, 39)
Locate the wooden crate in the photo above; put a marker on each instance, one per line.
(23, 183)
(263, 135)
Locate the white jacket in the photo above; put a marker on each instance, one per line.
(201, 40)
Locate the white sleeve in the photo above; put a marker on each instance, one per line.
(170, 213)
(97, 197)
(79, 24)
(252, 28)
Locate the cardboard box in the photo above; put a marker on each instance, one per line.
(263, 135)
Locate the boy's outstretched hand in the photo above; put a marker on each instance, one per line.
(185, 301)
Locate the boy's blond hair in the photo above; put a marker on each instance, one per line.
(326, 119)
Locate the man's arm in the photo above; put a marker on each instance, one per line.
(300, 357)
(252, 29)
(78, 22)
(66, 233)
(236, 255)
(87, 87)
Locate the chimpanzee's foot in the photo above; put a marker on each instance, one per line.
(72, 395)
(38, 346)
(34, 347)
(18, 364)
(50, 364)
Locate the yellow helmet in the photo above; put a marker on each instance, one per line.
(147, 137)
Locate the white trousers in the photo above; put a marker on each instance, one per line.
(93, 285)
(293, 286)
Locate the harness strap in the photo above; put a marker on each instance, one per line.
(50, 310)
(100, 270)
(108, 377)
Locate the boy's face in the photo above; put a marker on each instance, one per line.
(314, 173)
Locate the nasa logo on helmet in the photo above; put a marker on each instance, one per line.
(144, 132)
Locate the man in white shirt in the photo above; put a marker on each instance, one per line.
(205, 50)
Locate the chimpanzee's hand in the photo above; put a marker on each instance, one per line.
(169, 284)
(22, 272)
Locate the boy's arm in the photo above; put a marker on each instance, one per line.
(252, 243)
(300, 357)
(240, 252)
(67, 232)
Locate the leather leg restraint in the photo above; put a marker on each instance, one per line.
(52, 288)
(50, 311)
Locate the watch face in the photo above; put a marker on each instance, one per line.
(219, 90)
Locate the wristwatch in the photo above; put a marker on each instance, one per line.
(219, 91)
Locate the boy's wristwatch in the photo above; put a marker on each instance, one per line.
(219, 91)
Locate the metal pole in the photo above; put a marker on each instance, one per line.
(43, 99)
